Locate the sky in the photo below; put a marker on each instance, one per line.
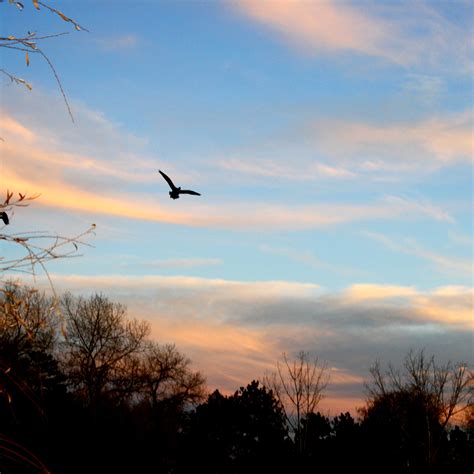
(332, 143)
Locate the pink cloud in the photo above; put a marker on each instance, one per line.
(327, 26)
(384, 30)
(404, 146)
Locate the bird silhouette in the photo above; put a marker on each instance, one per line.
(4, 217)
(175, 191)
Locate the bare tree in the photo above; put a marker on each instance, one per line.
(26, 318)
(299, 386)
(166, 375)
(27, 326)
(27, 338)
(442, 392)
(449, 386)
(99, 346)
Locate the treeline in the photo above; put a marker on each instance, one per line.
(84, 389)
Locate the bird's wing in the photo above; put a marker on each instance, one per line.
(4, 217)
(168, 180)
(188, 191)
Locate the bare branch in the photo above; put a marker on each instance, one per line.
(29, 44)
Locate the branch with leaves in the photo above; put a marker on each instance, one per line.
(39, 247)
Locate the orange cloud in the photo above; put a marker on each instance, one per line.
(10, 126)
(36, 164)
(366, 292)
(230, 355)
(448, 305)
(59, 194)
(451, 305)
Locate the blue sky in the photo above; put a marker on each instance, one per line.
(332, 144)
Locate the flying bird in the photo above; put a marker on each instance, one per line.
(175, 192)
(4, 217)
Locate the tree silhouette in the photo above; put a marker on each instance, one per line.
(407, 414)
(165, 374)
(31, 382)
(299, 386)
(241, 433)
(99, 342)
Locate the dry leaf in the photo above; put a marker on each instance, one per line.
(63, 16)
(25, 83)
(27, 59)
(35, 3)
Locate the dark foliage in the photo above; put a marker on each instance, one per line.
(241, 433)
(148, 414)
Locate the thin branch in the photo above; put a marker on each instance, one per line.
(64, 17)
(59, 83)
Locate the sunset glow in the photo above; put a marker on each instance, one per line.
(332, 144)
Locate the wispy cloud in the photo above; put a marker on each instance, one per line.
(436, 141)
(426, 88)
(273, 169)
(230, 215)
(88, 183)
(8, 125)
(365, 28)
(176, 263)
(461, 239)
(410, 246)
(309, 259)
(118, 43)
(227, 287)
(327, 26)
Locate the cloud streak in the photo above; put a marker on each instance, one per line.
(249, 216)
(326, 26)
(433, 142)
(273, 169)
(84, 183)
(119, 43)
(412, 247)
(308, 258)
(177, 263)
(331, 26)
